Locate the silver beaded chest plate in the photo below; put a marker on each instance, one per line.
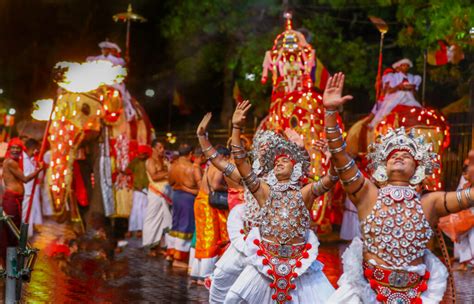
(284, 215)
(396, 230)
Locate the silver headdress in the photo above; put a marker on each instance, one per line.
(398, 139)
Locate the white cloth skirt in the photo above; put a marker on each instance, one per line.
(253, 284)
(137, 215)
(464, 249)
(350, 227)
(232, 263)
(404, 98)
(354, 288)
(157, 219)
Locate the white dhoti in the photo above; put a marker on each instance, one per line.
(137, 215)
(350, 227)
(232, 263)
(36, 216)
(354, 288)
(157, 219)
(464, 249)
(253, 284)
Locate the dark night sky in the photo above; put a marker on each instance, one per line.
(35, 35)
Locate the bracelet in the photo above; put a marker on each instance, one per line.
(239, 156)
(349, 181)
(326, 189)
(214, 155)
(446, 203)
(331, 130)
(333, 178)
(459, 199)
(237, 147)
(346, 167)
(358, 188)
(207, 149)
(334, 139)
(328, 112)
(203, 135)
(237, 127)
(467, 194)
(228, 169)
(338, 149)
(316, 189)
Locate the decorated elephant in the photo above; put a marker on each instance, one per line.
(97, 124)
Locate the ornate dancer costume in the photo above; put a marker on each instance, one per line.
(284, 269)
(242, 218)
(396, 232)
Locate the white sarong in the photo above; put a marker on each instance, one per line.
(157, 219)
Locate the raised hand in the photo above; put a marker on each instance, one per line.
(332, 97)
(240, 113)
(202, 128)
(293, 136)
(322, 145)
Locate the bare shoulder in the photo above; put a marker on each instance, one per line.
(10, 163)
(431, 197)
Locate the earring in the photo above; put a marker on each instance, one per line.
(271, 178)
(297, 173)
(380, 174)
(419, 176)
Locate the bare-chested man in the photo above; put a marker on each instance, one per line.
(157, 214)
(184, 178)
(14, 181)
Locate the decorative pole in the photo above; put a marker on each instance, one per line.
(128, 17)
(383, 29)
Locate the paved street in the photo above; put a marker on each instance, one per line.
(133, 277)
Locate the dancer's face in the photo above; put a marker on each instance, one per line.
(283, 168)
(401, 165)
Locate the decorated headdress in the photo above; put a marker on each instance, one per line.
(262, 140)
(396, 140)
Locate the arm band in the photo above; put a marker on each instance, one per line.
(351, 180)
(207, 149)
(228, 169)
(332, 130)
(459, 199)
(345, 168)
(446, 203)
(338, 149)
(214, 155)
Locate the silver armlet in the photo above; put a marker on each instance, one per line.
(346, 167)
(347, 182)
(338, 149)
(207, 149)
(459, 199)
(330, 140)
(331, 130)
(228, 169)
(316, 188)
(214, 155)
(467, 194)
(329, 112)
(333, 178)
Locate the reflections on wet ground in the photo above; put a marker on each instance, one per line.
(89, 276)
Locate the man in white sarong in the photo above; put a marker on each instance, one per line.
(29, 166)
(399, 88)
(140, 185)
(158, 218)
(46, 206)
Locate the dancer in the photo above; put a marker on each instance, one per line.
(157, 213)
(391, 264)
(242, 218)
(281, 253)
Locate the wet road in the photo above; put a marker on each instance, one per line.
(133, 277)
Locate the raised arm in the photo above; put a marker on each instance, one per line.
(355, 184)
(259, 189)
(227, 168)
(313, 190)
